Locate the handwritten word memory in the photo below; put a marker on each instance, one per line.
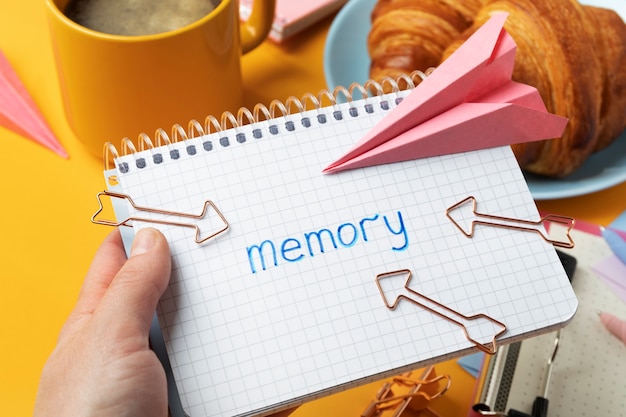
(314, 243)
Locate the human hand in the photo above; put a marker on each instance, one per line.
(102, 364)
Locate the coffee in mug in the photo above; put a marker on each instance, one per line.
(137, 17)
(116, 86)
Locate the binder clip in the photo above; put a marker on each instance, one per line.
(171, 218)
(466, 217)
(406, 396)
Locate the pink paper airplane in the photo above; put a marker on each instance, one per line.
(469, 102)
(19, 113)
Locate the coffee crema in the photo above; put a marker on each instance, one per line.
(137, 17)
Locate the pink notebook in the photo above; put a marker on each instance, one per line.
(293, 16)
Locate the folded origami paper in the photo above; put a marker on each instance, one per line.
(19, 113)
(469, 102)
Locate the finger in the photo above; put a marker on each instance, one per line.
(132, 296)
(107, 261)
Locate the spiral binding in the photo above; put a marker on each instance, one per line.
(260, 113)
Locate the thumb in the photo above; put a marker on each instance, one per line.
(131, 299)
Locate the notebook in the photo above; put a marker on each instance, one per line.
(294, 16)
(283, 301)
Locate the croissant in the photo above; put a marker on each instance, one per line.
(576, 58)
(610, 45)
(409, 35)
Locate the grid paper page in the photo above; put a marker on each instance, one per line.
(284, 306)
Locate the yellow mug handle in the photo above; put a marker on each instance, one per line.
(257, 27)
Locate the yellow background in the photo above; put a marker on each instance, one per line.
(46, 202)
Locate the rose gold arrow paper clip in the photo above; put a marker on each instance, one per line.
(406, 393)
(165, 217)
(480, 329)
(460, 213)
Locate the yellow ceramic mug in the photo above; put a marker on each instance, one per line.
(116, 86)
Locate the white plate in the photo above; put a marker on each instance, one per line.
(346, 60)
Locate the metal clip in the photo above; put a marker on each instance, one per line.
(467, 323)
(163, 216)
(420, 392)
(509, 223)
